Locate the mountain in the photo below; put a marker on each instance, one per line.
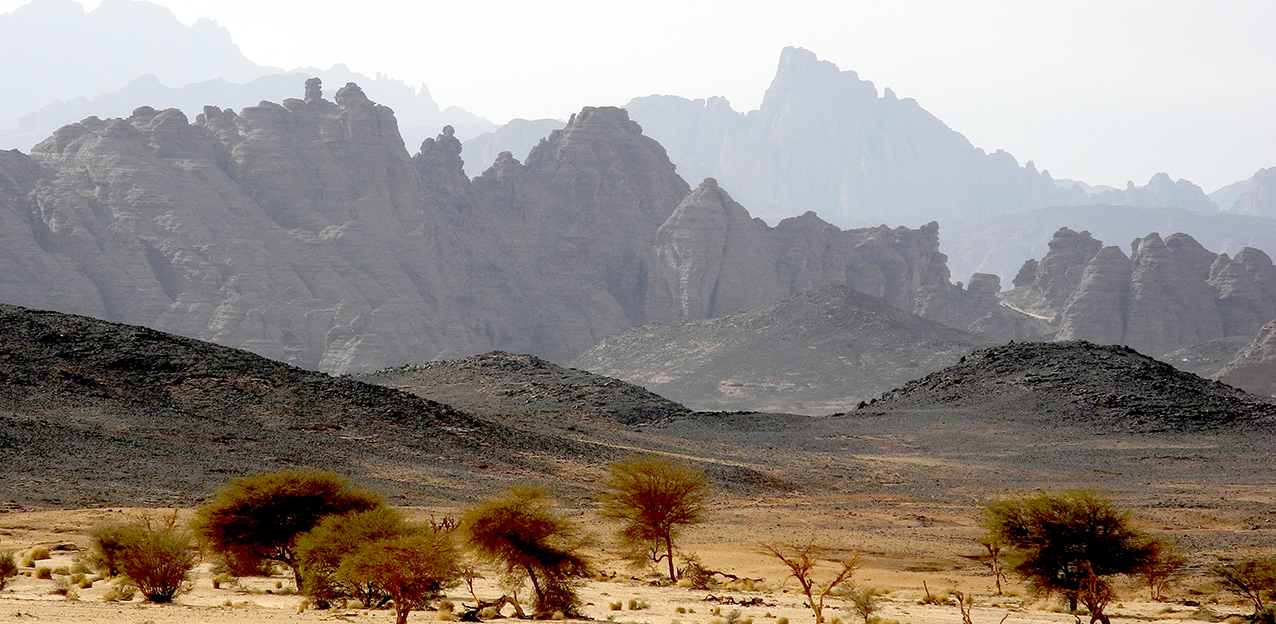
(420, 117)
(517, 137)
(1160, 191)
(1080, 384)
(1253, 369)
(1000, 245)
(1257, 196)
(511, 385)
(305, 232)
(54, 50)
(826, 141)
(1167, 294)
(822, 351)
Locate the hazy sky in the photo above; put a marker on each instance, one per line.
(1098, 90)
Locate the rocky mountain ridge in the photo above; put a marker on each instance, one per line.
(304, 231)
(1165, 295)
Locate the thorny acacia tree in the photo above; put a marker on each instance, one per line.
(414, 569)
(321, 550)
(654, 499)
(1070, 543)
(262, 515)
(528, 538)
(802, 560)
(1251, 579)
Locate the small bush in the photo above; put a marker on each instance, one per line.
(86, 583)
(61, 587)
(44, 572)
(27, 562)
(638, 605)
(39, 553)
(681, 609)
(62, 571)
(616, 606)
(8, 567)
(119, 593)
(154, 556)
(782, 620)
(80, 568)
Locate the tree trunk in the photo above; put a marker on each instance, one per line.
(673, 576)
(540, 596)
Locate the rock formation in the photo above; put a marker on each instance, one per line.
(1160, 191)
(305, 232)
(1254, 368)
(1166, 295)
(825, 140)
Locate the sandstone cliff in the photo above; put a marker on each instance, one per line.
(305, 232)
(1254, 368)
(1167, 294)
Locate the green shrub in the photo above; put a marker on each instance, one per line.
(8, 567)
(414, 569)
(321, 550)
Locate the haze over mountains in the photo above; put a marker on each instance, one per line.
(308, 230)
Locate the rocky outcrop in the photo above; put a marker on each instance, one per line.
(1254, 368)
(827, 141)
(305, 232)
(1166, 295)
(712, 259)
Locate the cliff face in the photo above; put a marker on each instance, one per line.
(1167, 294)
(305, 232)
(1254, 367)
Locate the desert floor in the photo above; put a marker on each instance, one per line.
(908, 550)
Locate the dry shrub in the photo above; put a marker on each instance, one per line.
(44, 572)
(38, 553)
(153, 556)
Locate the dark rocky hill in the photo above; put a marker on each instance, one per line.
(1078, 383)
(821, 351)
(95, 412)
(500, 383)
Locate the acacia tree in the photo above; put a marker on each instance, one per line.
(262, 515)
(321, 550)
(1071, 543)
(1251, 579)
(528, 538)
(413, 569)
(1163, 568)
(802, 560)
(654, 498)
(152, 555)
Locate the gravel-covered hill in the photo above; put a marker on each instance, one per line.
(500, 383)
(96, 412)
(1110, 387)
(819, 352)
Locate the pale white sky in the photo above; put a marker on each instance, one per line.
(1098, 90)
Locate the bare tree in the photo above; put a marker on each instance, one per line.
(1165, 567)
(802, 561)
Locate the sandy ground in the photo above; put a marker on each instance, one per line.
(907, 550)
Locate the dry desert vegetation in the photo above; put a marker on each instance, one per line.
(909, 551)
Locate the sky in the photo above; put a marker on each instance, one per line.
(1103, 91)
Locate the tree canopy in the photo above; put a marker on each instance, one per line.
(262, 515)
(414, 569)
(1070, 543)
(654, 499)
(522, 532)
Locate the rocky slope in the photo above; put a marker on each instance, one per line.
(1253, 369)
(1258, 197)
(827, 141)
(1080, 384)
(305, 232)
(137, 416)
(821, 351)
(1167, 294)
(514, 385)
